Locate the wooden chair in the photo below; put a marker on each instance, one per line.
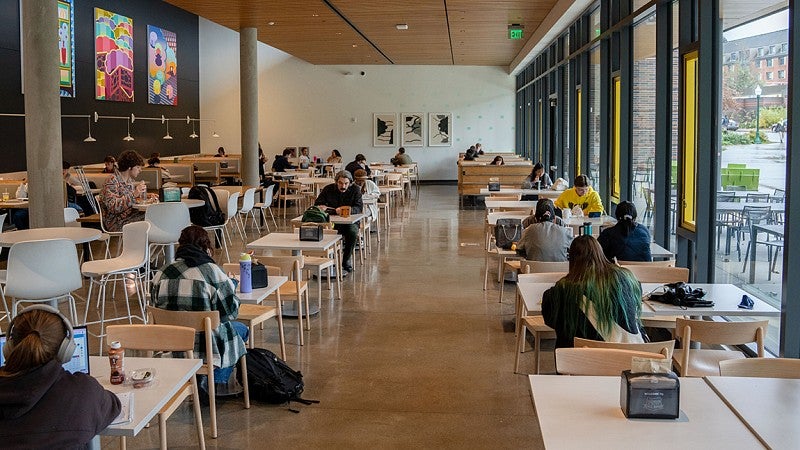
(597, 361)
(760, 368)
(169, 338)
(518, 266)
(664, 263)
(286, 195)
(534, 323)
(295, 289)
(664, 347)
(701, 362)
(202, 322)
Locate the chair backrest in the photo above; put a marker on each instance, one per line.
(756, 214)
(779, 196)
(249, 200)
(99, 200)
(756, 197)
(497, 197)
(43, 269)
(597, 361)
(167, 220)
(222, 197)
(135, 242)
(196, 320)
(268, 194)
(664, 347)
(289, 265)
(233, 205)
(658, 274)
(182, 174)
(71, 216)
(760, 368)
(168, 338)
(717, 333)
(664, 263)
(2, 221)
(726, 196)
(542, 277)
(545, 266)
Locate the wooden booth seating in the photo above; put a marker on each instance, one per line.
(473, 176)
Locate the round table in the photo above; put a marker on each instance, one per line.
(76, 234)
(190, 202)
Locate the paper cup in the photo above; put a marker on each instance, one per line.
(344, 211)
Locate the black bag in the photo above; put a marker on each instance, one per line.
(271, 380)
(507, 231)
(315, 214)
(258, 276)
(209, 214)
(681, 294)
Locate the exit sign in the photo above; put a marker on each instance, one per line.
(515, 33)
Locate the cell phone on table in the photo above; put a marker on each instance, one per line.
(594, 215)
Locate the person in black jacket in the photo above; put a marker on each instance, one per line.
(359, 163)
(282, 163)
(627, 240)
(41, 404)
(331, 199)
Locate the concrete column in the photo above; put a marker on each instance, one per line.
(248, 83)
(42, 113)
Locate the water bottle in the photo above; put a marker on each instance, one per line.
(586, 229)
(245, 275)
(116, 356)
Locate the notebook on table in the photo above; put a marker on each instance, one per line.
(80, 358)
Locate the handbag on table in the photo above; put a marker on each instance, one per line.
(507, 231)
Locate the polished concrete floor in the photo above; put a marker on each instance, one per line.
(415, 355)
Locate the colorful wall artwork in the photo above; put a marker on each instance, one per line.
(66, 48)
(113, 45)
(162, 67)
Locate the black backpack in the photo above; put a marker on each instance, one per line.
(271, 380)
(209, 214)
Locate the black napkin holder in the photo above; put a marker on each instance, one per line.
(494, 186)
(310, 232)
(258, 276)
(650, 395)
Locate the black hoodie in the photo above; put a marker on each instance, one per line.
(50, 408)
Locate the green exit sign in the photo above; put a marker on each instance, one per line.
(515, 33)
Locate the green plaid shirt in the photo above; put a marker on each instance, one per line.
(178, 287)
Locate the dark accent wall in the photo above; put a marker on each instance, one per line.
(109, 133)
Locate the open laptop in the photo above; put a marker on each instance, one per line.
(80, 359)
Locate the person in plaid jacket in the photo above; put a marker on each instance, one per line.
(194, 282)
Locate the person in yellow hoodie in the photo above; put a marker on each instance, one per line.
(581, 194)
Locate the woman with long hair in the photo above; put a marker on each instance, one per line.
(41, 404)
(596, 300)
(538, 178)
(627, 240)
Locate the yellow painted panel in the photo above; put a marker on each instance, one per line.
(616, 183)
(689, 151)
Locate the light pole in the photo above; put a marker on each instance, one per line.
(758, 108)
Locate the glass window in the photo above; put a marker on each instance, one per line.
(769, 75)
(773, 49)
(644, 117)
(781, 74)
(594, 117)
(785, 47)
(578, 131)
(769, 62)
(594, 24)
(673, 199)
(734, 56)
(782, 61)
(758, 63)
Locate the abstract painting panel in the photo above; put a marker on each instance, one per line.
(113, 46)
(162, 67)
(439, 129)
(66, 48)
(384, 125)
(412, 129)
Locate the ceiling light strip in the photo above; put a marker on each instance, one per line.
(339, 13)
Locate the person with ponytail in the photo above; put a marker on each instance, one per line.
(41, 404)
(596, 300)
(627, 240)
(542, 239)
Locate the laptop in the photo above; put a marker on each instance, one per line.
(80, 359)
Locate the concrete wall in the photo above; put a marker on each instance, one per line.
(322, 108)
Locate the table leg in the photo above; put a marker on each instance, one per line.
(753, 239)
(280, 325)
(169, 254)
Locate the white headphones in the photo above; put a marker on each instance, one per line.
(65, 350)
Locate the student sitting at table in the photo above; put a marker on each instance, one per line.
(305, 159)
(497, 161)
(331, 199)
(596, 300)
(478, 149)
(368, 187)
(627, 240)
(194, 282)
(543, 240)
(582, 195)
(359, 163)
(335, 158)
(155, 163)
(538, 179)
(41, 404)
(221, 153)
(401, 158)
(281, 163)
(109, 164)
(121, 192)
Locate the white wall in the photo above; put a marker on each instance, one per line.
(301, 104)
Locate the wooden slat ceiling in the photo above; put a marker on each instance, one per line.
(443, 32)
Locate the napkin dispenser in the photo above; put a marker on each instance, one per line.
(650, 395)
(171, 194)
(310, 232)
(494, 186)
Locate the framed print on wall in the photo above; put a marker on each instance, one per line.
(412, 129)
(383, 131)
(162, 66)
(439, 129)
(113, 44)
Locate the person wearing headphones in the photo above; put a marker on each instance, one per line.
(41, 404)
(331, 200)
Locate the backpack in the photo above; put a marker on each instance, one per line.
(209, 214)
(271, 380)
(315, 214)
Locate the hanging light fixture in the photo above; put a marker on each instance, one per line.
(194, 134)
(129, 138)
(166, 136)
(90, 138)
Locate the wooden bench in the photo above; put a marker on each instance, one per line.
(473, 176)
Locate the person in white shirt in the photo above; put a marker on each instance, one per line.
(368, 187)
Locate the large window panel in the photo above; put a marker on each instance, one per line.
(643, 126)
(593, 140)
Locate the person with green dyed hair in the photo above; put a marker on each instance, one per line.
(596, 300)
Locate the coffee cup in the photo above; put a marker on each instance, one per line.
(5, 196)
(344, 211)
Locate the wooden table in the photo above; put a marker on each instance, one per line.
(542, 193)
(584, 412)
(769, 407)
(492, 205)
(76, 234)
(14, 204)
(170, 375)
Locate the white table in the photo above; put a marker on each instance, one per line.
(584, 412)
(190, 203)
(492, 205)
(542, 193)
(770, 407)
(170, 375)
(660, 253)
(335, 219)
(76, 234)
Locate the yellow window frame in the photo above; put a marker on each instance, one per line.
(688, 151)
(616, 182)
